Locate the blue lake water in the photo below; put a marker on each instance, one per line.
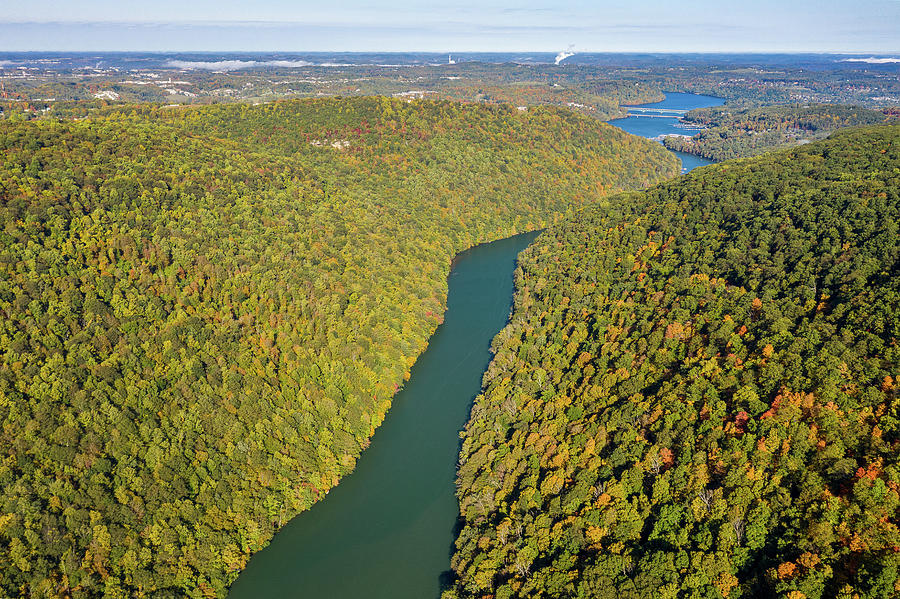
(661, 118)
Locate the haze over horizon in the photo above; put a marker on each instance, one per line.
(535, 25)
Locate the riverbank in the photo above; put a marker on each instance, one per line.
(387, 530)
(657, 120)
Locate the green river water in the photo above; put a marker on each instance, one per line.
(386, 530)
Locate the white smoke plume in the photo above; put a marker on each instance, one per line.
(570, 51)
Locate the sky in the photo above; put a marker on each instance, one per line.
(855, 26)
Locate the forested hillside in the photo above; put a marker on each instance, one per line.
(697, 393)
(750, 132)
(206, 312)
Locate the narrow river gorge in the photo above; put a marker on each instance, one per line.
(386, 530)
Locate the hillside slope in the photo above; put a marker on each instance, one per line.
(697, 393)
(742, 133)
(206, 312)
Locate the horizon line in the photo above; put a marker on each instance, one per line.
(442, 52)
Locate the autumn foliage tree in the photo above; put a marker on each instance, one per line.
(205, 313)
(696, 394)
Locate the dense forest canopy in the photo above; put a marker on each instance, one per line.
(206, 312)
(741, 133)
(697, 393)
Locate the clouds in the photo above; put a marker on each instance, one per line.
(222, 66)
(866, 26)
(873, 60)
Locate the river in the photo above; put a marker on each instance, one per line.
(661, 118)
(386, 530)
